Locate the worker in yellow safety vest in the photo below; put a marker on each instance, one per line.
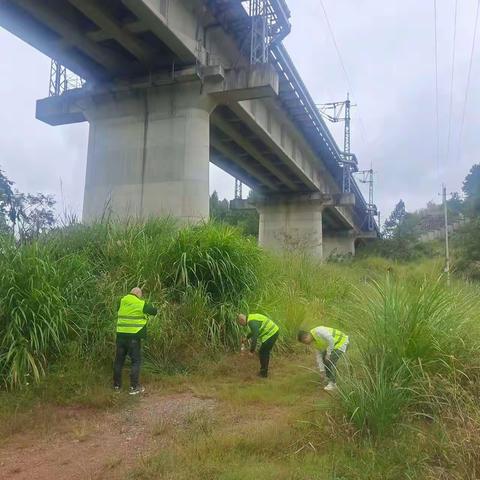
(330, 344)
(132, 321)
(263, 329)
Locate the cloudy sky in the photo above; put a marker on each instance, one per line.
(387, 49)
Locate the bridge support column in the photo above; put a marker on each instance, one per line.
(291, 225)
(148, 153)
(338, 243)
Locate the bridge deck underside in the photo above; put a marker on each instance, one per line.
(238, 150)
(97, 40)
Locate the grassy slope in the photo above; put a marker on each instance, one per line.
(286, 427)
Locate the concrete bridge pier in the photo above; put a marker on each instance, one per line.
(304, 222)
(291, 223)
(149, 142)
(148, 153)
(338, 243)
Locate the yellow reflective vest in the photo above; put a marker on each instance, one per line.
(268, 328)
(131, 318)
(339, 338)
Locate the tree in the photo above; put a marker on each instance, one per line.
(218, 208)
(6, 202)
(455, 204)
(391, 225)
(467, 249)
(246, 220)
(24, 215)
(471, 189)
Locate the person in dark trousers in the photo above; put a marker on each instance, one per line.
(132, 321)
(262, 329)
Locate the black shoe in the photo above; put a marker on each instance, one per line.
(263, 374)
(116, 388)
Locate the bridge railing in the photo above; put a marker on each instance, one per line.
(301, 107)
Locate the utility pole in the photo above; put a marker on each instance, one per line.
(447, 252)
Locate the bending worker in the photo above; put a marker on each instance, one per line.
(131, 329)
(262, 329)
(330, 345)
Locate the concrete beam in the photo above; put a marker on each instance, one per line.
(234, 170)
(235, 158)
(223, 125)
(149, 13)
(322, 199)
(367, 235)
(101, 17)
(240, 110)
(241, 204)
(102, 35)
(256, 81)
(62, 110)
(103, 56)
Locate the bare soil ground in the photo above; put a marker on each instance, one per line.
(87, 444)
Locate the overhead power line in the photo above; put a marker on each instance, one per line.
(436, 87)
(332, 34)
(452, 80)
(342, 64)
(469, 75)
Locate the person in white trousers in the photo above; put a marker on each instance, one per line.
(330, 344)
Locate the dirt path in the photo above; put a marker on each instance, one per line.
(96, 445)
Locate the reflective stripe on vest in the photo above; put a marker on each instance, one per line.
(268, 327)
(131, 318)
(339, 338)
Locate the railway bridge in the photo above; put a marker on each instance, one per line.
(168, 86)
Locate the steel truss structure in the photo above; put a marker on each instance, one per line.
(62, 80)
(269, 25)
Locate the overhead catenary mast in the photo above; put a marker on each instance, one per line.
(367, 177)
(341, 112)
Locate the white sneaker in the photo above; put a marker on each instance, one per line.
(330, 387)
(136, 390)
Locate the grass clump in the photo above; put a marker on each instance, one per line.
(217, 258)
(33, 313)
(410, 337)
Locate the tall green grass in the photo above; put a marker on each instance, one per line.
(60, 295)
(33, 313)
(217, 258)
(409, 338)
